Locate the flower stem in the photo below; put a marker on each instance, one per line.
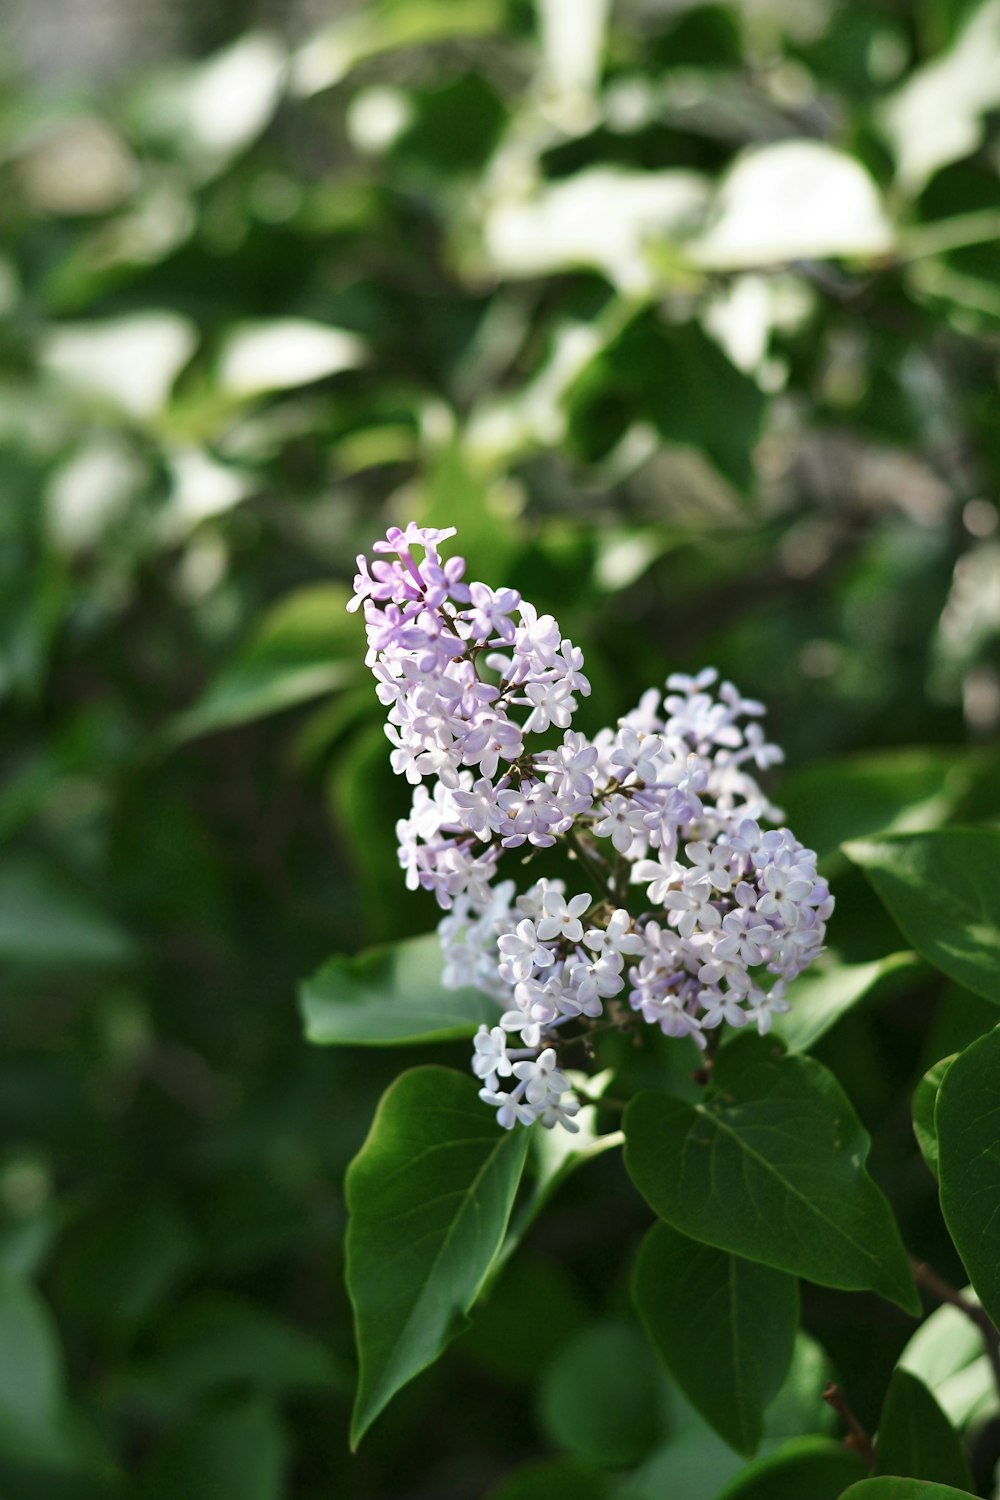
(593, 867)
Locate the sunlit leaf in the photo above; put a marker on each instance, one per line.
(391, 996)
(283, 353)
(382, 27)
(897, 791)
(937, 115)
(947, 1354)
(823, 994)
(794, 200)
(209, 111)
(128, 362)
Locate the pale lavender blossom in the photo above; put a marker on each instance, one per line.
(734, 911)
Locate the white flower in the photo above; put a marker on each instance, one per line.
(622, 820)
(562, 917)
(523, 952)
(490, 1059)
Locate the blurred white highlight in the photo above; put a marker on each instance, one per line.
(278, 355)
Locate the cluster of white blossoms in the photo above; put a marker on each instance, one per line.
(694, 914)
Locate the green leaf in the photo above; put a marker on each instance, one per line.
(31, 1377)
(798, 1410)
(941, 890)
(429, 1195)
(916, 1438)
(947, 1354)
(239, 1452)
(552, 1479)
(391, 996)
(770, 1166)
(306, 645)
(924, 1106)
(820, 997)
(815, 1466)
(125, 1261)
(679, 380)
(554, 1155)
(602, 1396)
(219, 1341)
(902, 1489)
(49, 921)
(693, 1462)
(382, 27)
(900, 791)
(968, 1132)
(723, 1326)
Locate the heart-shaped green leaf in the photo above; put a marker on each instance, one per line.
(771, 1166)
(429, 1195)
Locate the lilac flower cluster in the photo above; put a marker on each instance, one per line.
(695, 915)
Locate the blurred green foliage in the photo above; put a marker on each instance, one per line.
(687, 316)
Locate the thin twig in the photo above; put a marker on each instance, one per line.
(857, 1438)
(703, 1074)
(599, 877)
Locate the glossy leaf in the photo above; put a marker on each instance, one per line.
(941, 890)
(770, 1166)
(724, 1327)
(924, 1105)
(389, 997)
(429, 1195)
(821, 997)
(815, 1466)
(968, 1131)
(916, 1438)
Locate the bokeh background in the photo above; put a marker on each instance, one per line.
(688, 316)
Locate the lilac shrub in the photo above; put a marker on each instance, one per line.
(694, 914)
